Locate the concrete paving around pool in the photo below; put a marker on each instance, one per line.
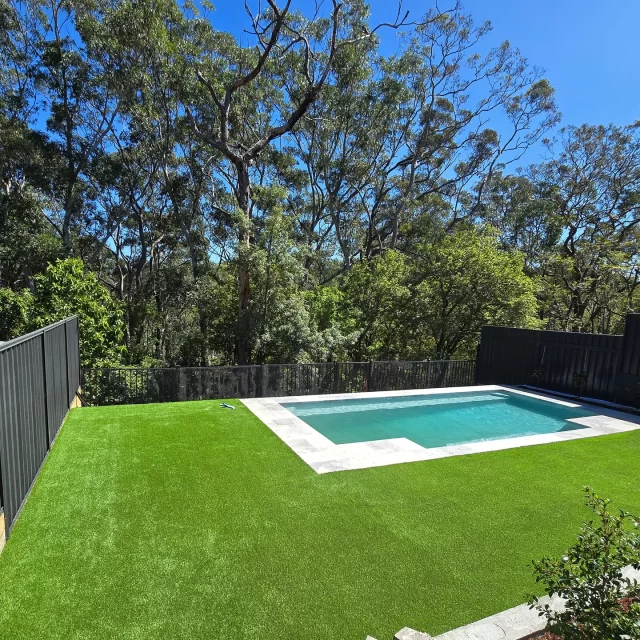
(519, 623)
(324, 456)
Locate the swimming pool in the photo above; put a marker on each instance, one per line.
(437, 420)
(342, 432)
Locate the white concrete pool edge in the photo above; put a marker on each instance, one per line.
(323, 456)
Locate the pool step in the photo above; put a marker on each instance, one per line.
(354, 406)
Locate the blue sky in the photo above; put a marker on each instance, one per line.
(591, 52)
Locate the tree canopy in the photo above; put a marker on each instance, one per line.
(296, 194)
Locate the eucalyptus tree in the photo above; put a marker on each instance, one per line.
(519, 207)
(252, 96)
(405, 135)
(27, 159)
(593, 187)
(475, 113)
(295, 193)
(149, 222)
(27, 243)
(347, 138)
(75, 96)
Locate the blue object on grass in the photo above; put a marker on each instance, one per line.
(226, 406)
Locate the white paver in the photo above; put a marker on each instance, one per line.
(324, 456)
(514, 624)
(518, 623)
(411, 634)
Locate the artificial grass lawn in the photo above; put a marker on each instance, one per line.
(192, 521)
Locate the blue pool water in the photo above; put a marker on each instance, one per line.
(436, 420)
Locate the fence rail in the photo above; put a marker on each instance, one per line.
(39, 377)
(137, 385)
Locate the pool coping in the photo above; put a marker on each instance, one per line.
(324, 456)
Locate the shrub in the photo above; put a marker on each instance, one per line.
(590, 578)
(66, 289)
(14, 312)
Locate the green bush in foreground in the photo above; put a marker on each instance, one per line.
(590, 579)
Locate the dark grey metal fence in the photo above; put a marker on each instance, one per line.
(135, 385)
(628, 376)
(605, 367)
(39, 378)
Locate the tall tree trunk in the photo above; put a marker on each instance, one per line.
(243, 324)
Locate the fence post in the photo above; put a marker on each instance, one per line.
(66, 359)
(182, 384)
(370, 375)
(77, 337)
(265, 380)
(44, 385)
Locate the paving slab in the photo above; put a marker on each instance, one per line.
(324, 456)
(411, 634)
(518, 623)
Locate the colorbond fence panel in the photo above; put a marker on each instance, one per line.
(130, 386)
(23, 439)
(605, 367)
(37, 374)
(56, 379)
(506, 356)
(630, 362)
(628, 381)
(597, 356)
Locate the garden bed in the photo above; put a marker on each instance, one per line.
(625, 603)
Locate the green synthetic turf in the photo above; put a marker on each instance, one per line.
(192, 521)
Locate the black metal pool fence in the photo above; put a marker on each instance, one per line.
(39, 378)
(137, 385)
(602, 367)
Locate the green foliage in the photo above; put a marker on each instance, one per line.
(465, 280)
(590, 578)
(15, 309)
(335, 328)
(377, 293)
(590, 277)
(27, 163)
(66, 288)
(431, 304)
(326, 202)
